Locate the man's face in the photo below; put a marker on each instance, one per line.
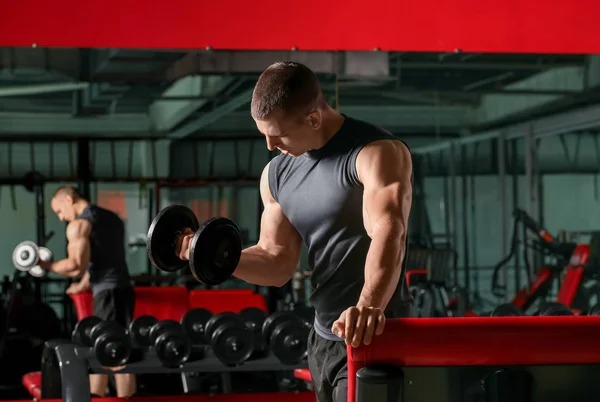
(63, 207)
(292, 136)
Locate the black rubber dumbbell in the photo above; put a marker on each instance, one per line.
(287, 337)
(255, 319)
(306, 314)
(555, 309)
(194, 325)
(139, 330)
(230, 339)
(170, 342)
(215, 249)
(506, 310)
(109, 341)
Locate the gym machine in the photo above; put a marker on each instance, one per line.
(427, 277)
(541, 284)
(572, 261)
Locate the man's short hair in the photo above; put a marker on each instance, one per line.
(69, 190)
(286, 85)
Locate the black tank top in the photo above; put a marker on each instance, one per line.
(108, 267)
(321, 195)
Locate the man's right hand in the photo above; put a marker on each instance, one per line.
(77, 287)
(182, 249)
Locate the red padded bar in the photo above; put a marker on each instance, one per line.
(33, 384)
(303, 374)
(220, 300)
(480, 341)
(532, 26)
(162, 302)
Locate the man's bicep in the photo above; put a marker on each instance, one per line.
(79, 248)
(385, 170)
(277, 234)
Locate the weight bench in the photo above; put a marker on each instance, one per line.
(420, 360)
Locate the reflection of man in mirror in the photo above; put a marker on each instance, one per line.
(96, 255)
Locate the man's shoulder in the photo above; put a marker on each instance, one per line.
(368, 133)
(368, 128)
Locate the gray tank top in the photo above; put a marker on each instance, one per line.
(108, 267)
(321, 195)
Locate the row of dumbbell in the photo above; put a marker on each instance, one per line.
(233, 338)
(547, 309)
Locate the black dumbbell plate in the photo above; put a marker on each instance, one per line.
(139, 330)
(83, 330)
(215, 251)
(194, 324)
(161, 239)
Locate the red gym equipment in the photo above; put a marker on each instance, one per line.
(571, 263)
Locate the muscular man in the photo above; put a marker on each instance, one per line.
(96, 255)
(343, 186)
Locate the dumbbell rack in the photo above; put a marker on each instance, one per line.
(76, 362)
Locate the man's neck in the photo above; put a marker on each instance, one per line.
(80, 206)
(332, 123)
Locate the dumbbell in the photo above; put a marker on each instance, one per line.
(555, 309)
(230, 339)
(506, 310)
(170, 343)
(306, 314)
(287, 337)
(108, 340)
(26, 256)
(194, 325)
(255, 319)
(139, 330)
(215, 249)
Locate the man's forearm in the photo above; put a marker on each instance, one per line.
(65, 267)
(85, 280)
(259, 267)
(383, 266)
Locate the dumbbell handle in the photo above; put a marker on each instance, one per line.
(178, 239)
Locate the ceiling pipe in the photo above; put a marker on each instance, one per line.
(25, 90)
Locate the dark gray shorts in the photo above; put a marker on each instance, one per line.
(328, 364)
(115, 305)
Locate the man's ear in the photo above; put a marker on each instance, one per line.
(315, 119)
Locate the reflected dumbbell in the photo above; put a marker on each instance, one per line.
(287, 337)
(194, 325)
(139, 331)
(167, 338)
(109, 341)
(255, 319)
(170, 343)
(230, 338)
(27, 255)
